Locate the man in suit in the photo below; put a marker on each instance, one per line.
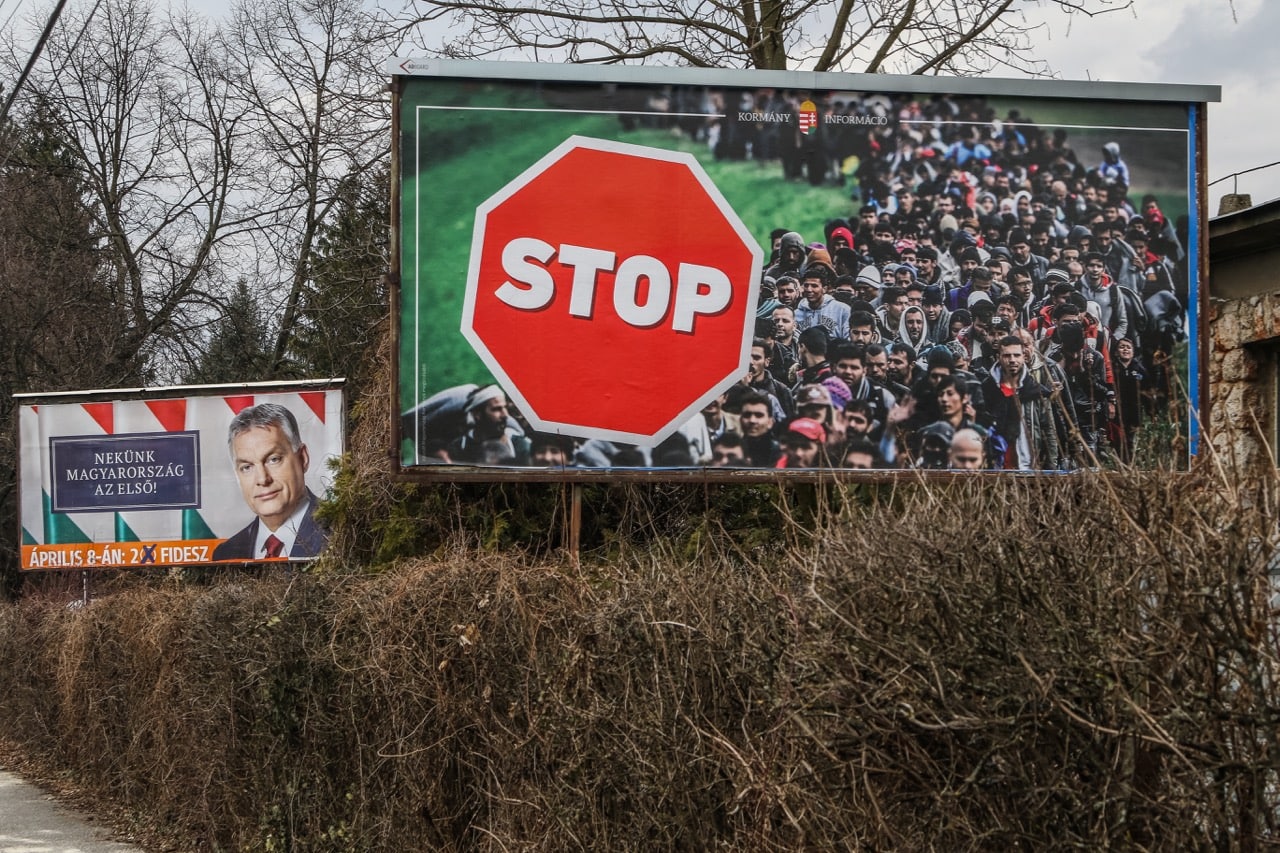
(271, 463)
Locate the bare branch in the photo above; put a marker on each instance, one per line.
(916, 36)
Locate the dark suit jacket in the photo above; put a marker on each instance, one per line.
(309, 542)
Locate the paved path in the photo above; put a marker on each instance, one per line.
(32, 822)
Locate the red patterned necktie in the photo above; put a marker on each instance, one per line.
(274, 546)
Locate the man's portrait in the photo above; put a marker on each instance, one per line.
(270, 463)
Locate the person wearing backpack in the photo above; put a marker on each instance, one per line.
(1136, 311)
(1155, 271)
(1097, 286)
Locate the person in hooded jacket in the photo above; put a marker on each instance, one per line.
(791, 255)
(913, 328)
(936, 314)
(1159, 227)
(893, 302)
(1113, 170)
(1120, 257)
(840, 238)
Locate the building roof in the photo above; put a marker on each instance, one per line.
(1244, 232)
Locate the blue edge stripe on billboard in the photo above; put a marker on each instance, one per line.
(1193, 316)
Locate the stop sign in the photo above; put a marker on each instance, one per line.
(611, 290)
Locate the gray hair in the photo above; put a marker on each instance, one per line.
(265, 415)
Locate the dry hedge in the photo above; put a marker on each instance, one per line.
(1033, 664)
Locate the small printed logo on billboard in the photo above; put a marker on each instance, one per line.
(409, 66)
(808, 117)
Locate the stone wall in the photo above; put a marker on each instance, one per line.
(1241, 418)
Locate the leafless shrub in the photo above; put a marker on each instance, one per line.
(1075, 662)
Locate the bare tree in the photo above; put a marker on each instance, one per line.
(308, 75)
(149, 122)
(900, 36)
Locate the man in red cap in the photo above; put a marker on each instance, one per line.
(802, 444)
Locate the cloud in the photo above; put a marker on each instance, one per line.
(1207, 46)
(1189, 41)
(1243, 56)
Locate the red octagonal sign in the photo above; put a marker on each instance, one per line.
(612, 290)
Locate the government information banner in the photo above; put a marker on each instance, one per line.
(671, 270)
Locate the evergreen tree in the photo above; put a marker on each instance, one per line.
(239, 346)
(345, 302)
(60, 318)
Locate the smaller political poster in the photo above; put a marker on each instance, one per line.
(175, 478)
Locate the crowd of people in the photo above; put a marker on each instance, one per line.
(995, 301)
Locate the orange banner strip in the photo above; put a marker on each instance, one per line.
(109, 555)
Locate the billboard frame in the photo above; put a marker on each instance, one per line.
(403, 69)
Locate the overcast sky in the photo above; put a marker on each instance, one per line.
(1230, 43)
(1193, 41)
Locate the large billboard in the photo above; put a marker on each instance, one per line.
(176, 476)
(672, 272)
